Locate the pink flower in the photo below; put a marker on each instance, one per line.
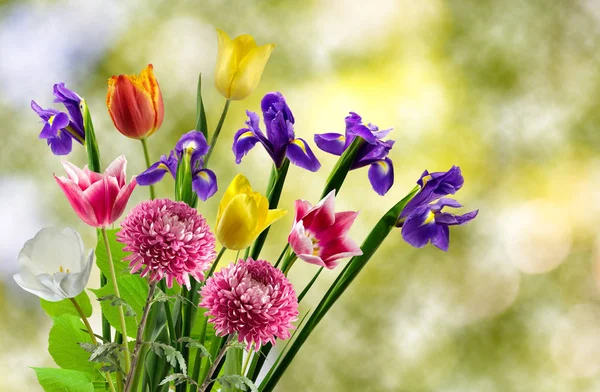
(319, 234)
(98, 199)
(169, 239)
(253, 299)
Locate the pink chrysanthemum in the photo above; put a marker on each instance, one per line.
(169, 239)
(253, 299)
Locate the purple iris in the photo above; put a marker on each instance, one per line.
(61, 128)
(280, 141)
(374, 152)
(204, 181)
(423, 219)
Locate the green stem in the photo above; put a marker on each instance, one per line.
(215, 365)
(92, 336)
(204, 321)
(215, 135)
(139, 339)
(118, 294)
(285, 249)
(246, 362)
(147, 157)
(289, 262)
(170, 327)
(309, 285)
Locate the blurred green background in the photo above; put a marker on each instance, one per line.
(508, 90)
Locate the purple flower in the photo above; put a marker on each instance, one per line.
(374, 152)
(280, 141)
(423, 220)
(204, 181)
(59, 127)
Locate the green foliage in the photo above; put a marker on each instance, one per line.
(63, 344)
(116, 248)
(178, 378)
(235, 381)
(106, 354)
(64, 380)
(55, 309)
(173, 356)
(201, 125)
(116, 301)
(233, 366)
(91, 145)
(134, 291)
(340, 171)
(192, 343)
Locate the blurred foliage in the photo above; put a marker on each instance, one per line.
(507, 90)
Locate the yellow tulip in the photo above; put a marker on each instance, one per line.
(240, 64)
(243, 215)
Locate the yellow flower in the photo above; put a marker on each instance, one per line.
(243, 215)
(240, 64)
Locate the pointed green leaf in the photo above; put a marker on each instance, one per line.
(63, 344)
(91, 145)
(134, 291)
(55, 309)
(63, 380)
(201, 125)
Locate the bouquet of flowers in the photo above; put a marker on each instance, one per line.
(173, 316)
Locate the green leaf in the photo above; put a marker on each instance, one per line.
(91, 145)
(116, 301)
(134, 291)
(177, 378)
(192, 343)
(116, 248)
(63, 380)
(340, 171)
(63, 344)
(201, 125)
(172, 356)
(235, 381)
(232, 367)
(55, 309)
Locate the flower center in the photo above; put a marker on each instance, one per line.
(68, 271)
(316, 248)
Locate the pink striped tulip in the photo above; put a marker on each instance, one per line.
(98, 199)
(320, 235)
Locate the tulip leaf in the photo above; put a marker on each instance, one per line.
(91, 145)
(64, 380)
(133, 290)
(201, 125)
(55, 309)
(118, 254)
(63, 344)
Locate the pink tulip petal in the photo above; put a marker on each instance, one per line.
(97, 196)
(302, 208)
(343, 223)
(117, 169)
(298, 240)
(339, 249)
(313, 260)
(93, 176)
(322, 215)
(76, 175)
(121, 201)
(78, 201)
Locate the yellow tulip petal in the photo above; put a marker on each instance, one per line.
(250, 71)
(226, 66)
(237, 226)
(243, 45)
(272, 216)
(238, 185)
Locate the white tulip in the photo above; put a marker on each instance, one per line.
(53, 264)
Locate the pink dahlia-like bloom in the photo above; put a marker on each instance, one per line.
(167, 238)
(320, 235)
(98, 199)
(253, 299)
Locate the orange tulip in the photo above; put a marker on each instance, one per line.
(135, 104)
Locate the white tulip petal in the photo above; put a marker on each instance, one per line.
(75, 283)
(44, 293)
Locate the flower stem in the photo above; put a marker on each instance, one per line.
(92, 336)
(113, 276)
(138, 338)
(147, 157)
(215, 135)
(246, 362)
(215, 365)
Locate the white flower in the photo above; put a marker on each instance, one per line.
(53, 264)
